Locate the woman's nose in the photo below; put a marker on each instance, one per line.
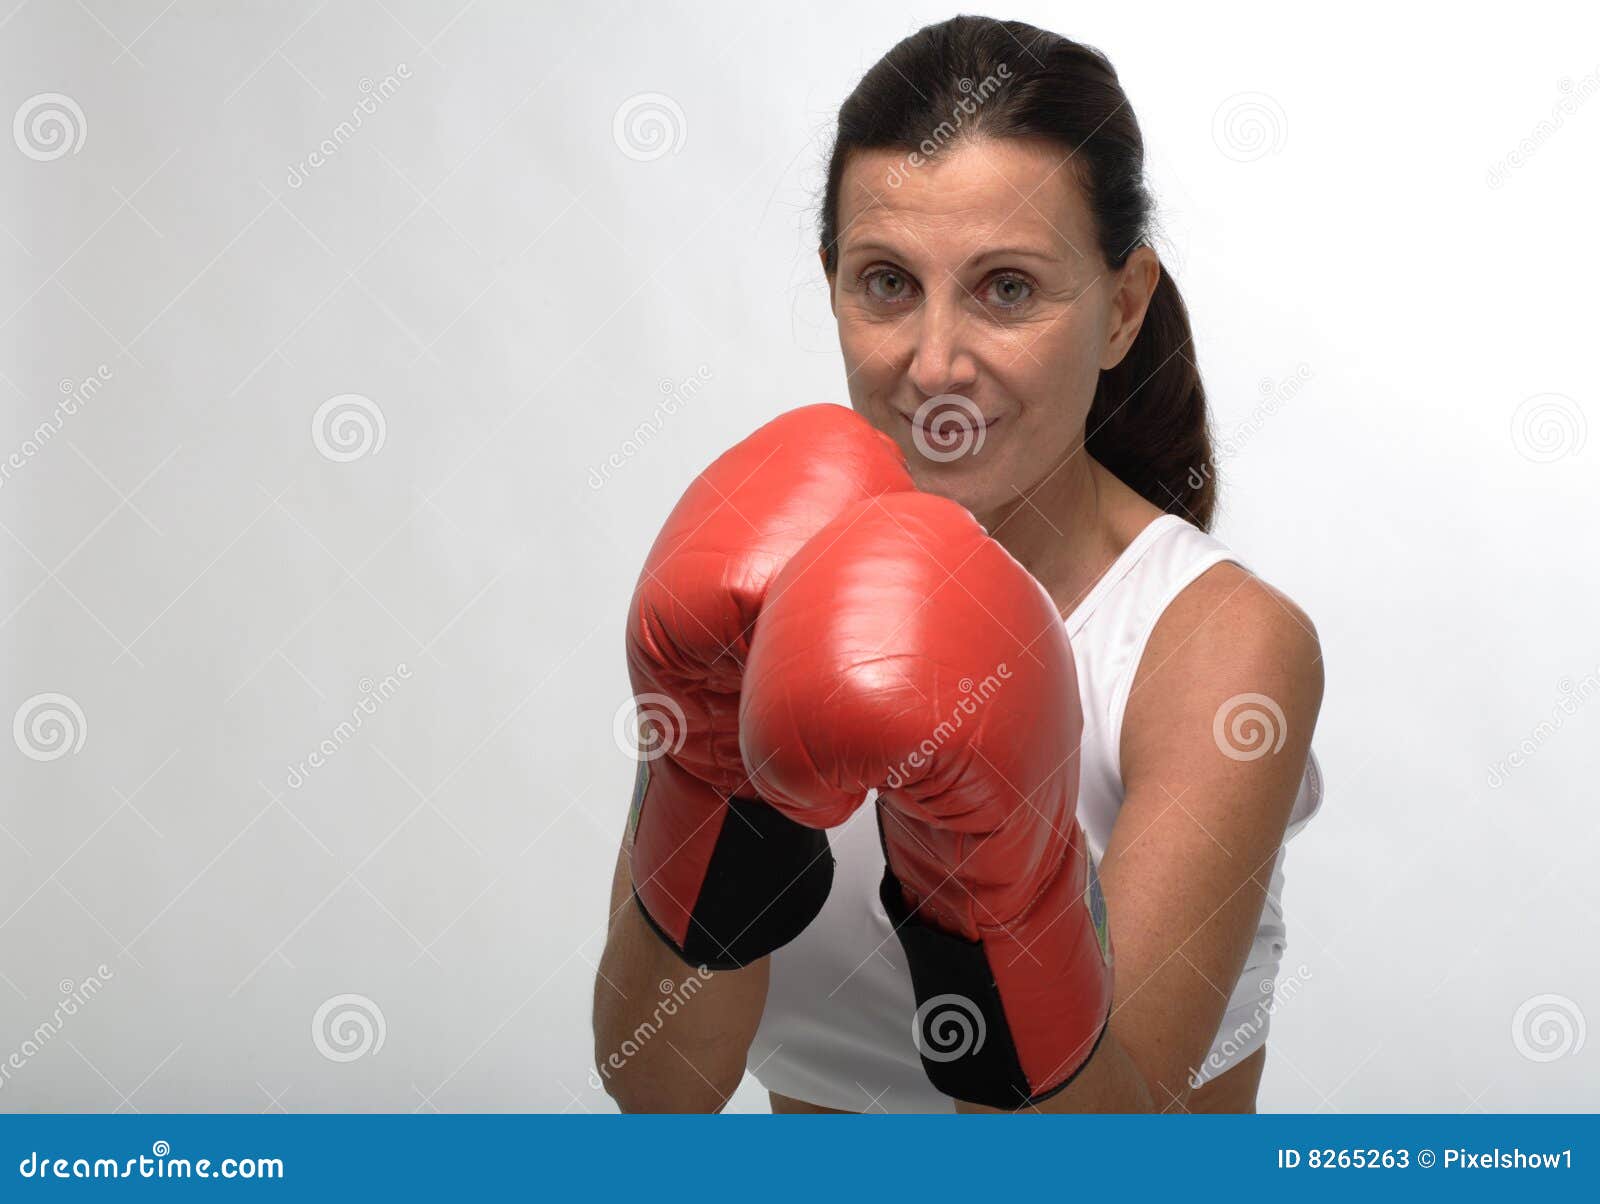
(941, 362)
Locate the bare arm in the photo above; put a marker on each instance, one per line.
(1109, 1082)
(1186, 870)
(668, 1037)
(1205, 811)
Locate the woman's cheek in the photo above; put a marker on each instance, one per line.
(867, 333)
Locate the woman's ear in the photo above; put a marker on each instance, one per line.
(1135, 285)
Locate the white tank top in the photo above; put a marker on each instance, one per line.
(837, 1027)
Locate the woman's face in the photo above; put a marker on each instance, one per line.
(978, 281)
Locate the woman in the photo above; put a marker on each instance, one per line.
(985, 236)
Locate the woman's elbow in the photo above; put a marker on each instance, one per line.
(638, 1084)
(643, 1070)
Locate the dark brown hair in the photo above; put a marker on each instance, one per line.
(1006, 79)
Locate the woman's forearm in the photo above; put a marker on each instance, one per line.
(668, 1037)
(1110, 1082)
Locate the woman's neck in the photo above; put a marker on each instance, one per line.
(1069, 527)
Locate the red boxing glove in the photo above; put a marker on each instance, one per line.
(722, 878)
(904, 649)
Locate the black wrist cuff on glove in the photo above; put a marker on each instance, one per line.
(767, 879)
(960, 1025)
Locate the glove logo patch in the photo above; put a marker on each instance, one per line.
(1095, 900)
(641, 783)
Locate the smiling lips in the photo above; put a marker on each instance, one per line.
(945, 420)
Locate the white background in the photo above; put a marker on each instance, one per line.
(512, 293)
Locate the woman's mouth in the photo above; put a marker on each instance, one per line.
(934, 422)
(949, 426)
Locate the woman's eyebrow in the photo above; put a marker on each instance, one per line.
(1029, 252)
(881, 247)
(1044, 254)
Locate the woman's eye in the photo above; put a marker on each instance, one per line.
(890, 286)
(1010, 291)
(886, 284)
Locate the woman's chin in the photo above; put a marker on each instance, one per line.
(964, 484)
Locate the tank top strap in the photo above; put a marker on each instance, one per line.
(1175, 559)
(1109, 631)
(1112, 579)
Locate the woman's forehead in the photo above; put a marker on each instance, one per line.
(972, 197)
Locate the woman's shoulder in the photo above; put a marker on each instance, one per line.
(1230, 615)
(1226, 602)
(1232, 599)
(1224, 612)
(1226, 635)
